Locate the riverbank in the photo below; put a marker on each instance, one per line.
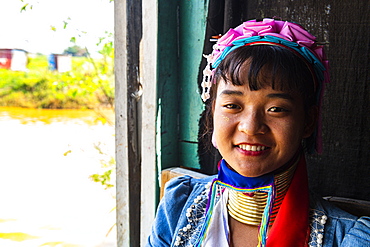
(89, 85)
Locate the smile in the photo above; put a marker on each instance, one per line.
(252, 148)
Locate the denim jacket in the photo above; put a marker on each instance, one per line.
(180, 217)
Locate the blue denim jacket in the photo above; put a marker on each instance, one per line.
(180, 218)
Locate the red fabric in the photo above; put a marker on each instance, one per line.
(291, 226)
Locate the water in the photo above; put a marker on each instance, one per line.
(46, 196)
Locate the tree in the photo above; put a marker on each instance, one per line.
(76, 51)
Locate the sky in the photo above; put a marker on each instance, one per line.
(31, 30)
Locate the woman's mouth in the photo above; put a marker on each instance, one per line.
(252, 148)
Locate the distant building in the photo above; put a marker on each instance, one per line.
(13, 59)
(60, 62)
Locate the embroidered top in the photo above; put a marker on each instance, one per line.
(180, 217)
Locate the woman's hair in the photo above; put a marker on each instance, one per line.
(268, 65)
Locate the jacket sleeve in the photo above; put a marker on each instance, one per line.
(169, 210)
(359, 235)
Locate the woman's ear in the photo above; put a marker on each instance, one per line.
(311, 121)
(214, 140)
(213, 131)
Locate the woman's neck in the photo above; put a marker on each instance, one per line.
(248, 208)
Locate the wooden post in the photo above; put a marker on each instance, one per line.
(167, 94)
(148, 78)
(191, 39)
(122, 174)
(128, 32)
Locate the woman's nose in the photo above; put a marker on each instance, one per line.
(252, 124)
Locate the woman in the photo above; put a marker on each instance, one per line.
(262, 86)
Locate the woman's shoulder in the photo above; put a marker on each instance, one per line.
(181, 189)
(179, 193)
(339, 227)
(184, 188)
(186, 183)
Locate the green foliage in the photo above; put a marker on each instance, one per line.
(108, 165)
(76, 51)
(90, 84)
(104, 179)
(82, 87)
(26, 6)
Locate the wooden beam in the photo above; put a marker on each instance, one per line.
(168, 85)
(122, 169)
(128, 32)
(192, 23)
(148, 78)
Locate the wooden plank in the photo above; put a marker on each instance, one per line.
(352, 206)
(148, 78)
(168, 85)
(191, 39)
(128, 32)
(122, 169)
(133, 37)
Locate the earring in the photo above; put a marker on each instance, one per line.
(214, 140)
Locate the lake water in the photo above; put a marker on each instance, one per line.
(47, 197)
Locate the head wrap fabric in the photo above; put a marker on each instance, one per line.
(273, 32)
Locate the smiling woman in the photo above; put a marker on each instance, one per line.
(262, 131)
(262, 87)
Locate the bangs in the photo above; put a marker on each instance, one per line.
(262, 66)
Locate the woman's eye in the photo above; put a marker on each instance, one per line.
(231, 106)
(277, 109)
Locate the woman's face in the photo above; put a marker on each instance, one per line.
(257, 132)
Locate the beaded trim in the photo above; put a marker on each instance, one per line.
(195, 215)
(317, 222)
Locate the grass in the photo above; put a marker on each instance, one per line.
(88, 85)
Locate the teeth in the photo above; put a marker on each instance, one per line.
(252, 147)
